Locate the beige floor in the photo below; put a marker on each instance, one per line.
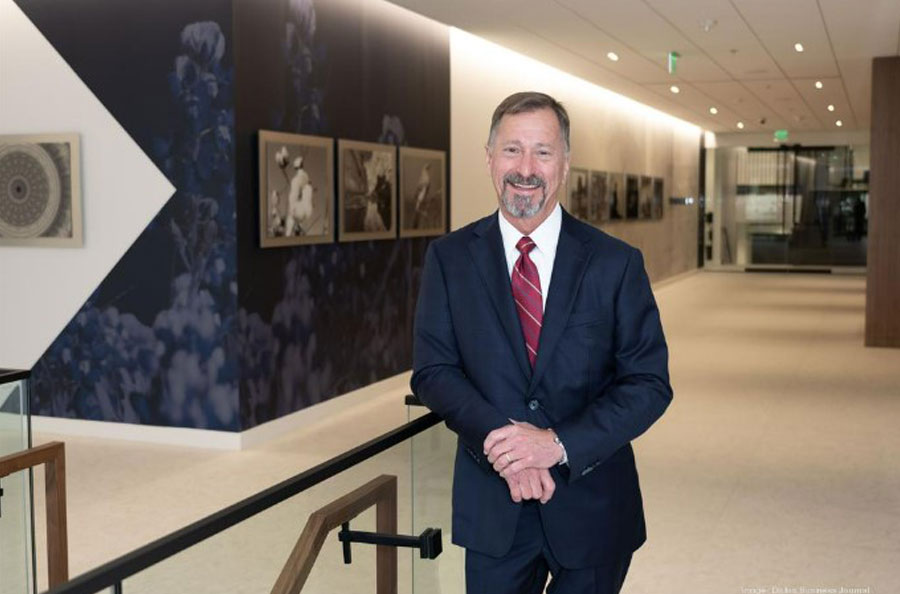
(775, 469)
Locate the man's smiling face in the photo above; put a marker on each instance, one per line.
(528, 163)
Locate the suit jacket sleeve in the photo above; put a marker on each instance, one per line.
(438, 378)
(640, 392)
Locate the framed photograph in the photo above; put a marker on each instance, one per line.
(40, 190)
(631, 196)
(658, 193)
(423, 192)
(367, 190)
(645, 198)
(615, 196)
(577, 194)
(296, 189)
(598, 208)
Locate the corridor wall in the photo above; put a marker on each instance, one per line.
(609, 133)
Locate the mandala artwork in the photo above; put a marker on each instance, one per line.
(38, 191)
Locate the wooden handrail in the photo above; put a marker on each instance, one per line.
(380, 492)
(53, 456)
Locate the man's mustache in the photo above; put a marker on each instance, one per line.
(518, 179)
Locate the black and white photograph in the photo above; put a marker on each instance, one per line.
(631, 196)
(615, 192)
(658, 193)
(296, 190)
(645, 198)
(577, 194)
(599, 205)
(40, 190)
(368, 190)
(423, 192)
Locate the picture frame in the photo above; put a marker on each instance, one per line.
(367, 191)
(615, 195)
(296, 189)
(422, 205)
(658, 194)
(598, 210)
(631, 196)
(645, 198)
(40, 190)
(577, 193)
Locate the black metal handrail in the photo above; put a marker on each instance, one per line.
(12, 375)
(111, 575)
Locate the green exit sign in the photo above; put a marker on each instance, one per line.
(673, 61)
(781, 135)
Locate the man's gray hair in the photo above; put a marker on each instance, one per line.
(528, 101)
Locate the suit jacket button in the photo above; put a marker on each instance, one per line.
(533, 404)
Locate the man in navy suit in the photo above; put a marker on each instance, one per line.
(538, 341)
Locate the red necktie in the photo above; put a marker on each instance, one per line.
(526, 290)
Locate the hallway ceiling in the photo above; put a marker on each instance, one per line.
(745, 65)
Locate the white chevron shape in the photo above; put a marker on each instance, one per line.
(41, 288)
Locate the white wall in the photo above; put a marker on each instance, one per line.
(609, 133)
(41, 288)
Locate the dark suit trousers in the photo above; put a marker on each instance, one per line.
(525, 568)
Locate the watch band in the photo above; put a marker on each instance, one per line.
(556, 440)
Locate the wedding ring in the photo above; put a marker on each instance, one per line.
(508, 459)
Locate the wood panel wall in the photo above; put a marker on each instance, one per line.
(883, 282)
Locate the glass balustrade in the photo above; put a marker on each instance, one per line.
(16, 527)
(397, 484)
(433, 453)
(252, 543)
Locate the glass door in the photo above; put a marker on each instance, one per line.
(787, 206)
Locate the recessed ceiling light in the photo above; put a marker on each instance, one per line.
(613, 56)
(713, 110)
(675, 89)
(798, 47)
(830, 107)
(740, 125)
(819, 84)
(708, 24)
(839, 123)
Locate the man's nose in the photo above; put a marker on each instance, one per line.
(526, 165)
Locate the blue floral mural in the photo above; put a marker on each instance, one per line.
(196, 326)
(180, 368)
(339, 325)
(305, 61)
(319, 321)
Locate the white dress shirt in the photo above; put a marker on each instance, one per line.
(545, 238)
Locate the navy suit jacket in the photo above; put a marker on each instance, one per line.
(600, 380)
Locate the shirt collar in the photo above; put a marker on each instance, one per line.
(545, 237)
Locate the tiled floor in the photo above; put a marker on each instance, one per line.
(776, 467)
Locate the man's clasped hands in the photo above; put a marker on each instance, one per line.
(522, 455)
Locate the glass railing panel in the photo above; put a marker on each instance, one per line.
(433, 454)
(248, 557)
(16, 552)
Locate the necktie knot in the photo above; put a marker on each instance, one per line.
(525, 245)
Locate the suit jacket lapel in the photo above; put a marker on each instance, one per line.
(568, 270)
(487, 252)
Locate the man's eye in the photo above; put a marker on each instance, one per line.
(511, 150)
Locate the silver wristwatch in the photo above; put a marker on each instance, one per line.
(565, 456)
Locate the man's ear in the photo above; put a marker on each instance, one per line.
(488, 155)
